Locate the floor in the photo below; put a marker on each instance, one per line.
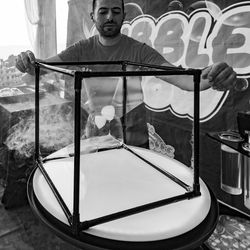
(21, 230)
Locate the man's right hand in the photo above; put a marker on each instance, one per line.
(25, 62)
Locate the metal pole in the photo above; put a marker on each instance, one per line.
(76, 215)
(37, 75)
(196, 185)
(124, 101)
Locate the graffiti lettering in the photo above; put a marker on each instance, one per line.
(169, 37)
(198, 40)
(230, 38)
(197, 55)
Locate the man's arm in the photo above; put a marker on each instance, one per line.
(25, 62)
(219, 76)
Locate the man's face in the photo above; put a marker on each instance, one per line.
(108, 17)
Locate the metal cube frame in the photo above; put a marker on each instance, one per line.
(145, 70)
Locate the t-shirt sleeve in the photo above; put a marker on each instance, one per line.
(151, 56)
(71, 53)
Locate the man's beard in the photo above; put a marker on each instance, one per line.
(109, 31)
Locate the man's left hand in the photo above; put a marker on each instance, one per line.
(220, 76)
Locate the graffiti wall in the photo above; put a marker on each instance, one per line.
(191, 34)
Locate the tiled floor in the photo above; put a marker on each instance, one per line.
(21, 230)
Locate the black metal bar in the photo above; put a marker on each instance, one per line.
(55, 158)
(65, 63)
(55, 192)
(196, 185)
(37, 75)
(96, 74)
(161, 67)
(77, 141)
(90, 223)
(124, 106)
(166, 68)
(171, 70)
(98, 150)
(164, 172)
(57, 69)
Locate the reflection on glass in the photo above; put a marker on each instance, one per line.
(246, 164)
(230, 170)
(103, 121)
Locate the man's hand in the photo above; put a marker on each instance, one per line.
(25, 62)
(220, 76)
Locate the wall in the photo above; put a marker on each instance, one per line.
(192, 35)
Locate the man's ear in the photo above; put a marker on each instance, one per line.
(124, 16)
(92, 16)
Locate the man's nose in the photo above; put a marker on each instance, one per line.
(110, 16)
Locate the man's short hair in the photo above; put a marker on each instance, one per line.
(94, 2)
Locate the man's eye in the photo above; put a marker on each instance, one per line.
(103, 12)
(116, 11)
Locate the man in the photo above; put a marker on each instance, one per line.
(111, 45)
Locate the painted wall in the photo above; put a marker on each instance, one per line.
(192, 34)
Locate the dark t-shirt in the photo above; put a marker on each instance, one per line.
(128, 49)
(106, 91)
